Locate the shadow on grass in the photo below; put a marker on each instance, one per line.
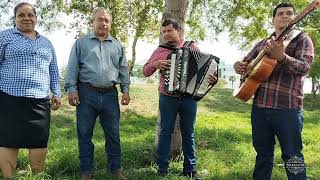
(222, 100)
(313, 171)
(225, 144)
(312, 117)
(311, 102)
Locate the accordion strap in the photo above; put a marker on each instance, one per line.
(175, 47)
(187, 43)
(169, 46)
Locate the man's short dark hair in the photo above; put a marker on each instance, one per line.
(282, 5)
(172, 21)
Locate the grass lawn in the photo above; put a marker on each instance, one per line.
(223, 137)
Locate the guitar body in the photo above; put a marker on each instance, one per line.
(257, 75)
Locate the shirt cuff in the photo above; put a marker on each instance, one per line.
(284, 60)
(124, 88)
(71, 89)
(56, 95)
(56, 92)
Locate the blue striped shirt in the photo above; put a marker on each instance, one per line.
(28, 67)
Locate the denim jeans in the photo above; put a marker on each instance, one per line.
(186, 107)
(287, 125)
(106, 106)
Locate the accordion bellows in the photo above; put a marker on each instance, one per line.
(188, 72)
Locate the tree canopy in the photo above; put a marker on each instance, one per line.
(46, 13)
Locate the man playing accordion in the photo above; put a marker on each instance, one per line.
(173, 104)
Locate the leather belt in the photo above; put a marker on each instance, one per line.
(100, 89)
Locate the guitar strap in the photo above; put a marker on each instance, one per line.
(291, 36)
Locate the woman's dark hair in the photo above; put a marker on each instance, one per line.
(23, 4)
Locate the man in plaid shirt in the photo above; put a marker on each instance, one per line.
(278, 103)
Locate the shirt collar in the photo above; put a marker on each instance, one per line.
(108, 38)
(17, 31)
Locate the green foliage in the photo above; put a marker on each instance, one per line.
(315, 70)
(81, 11)
(245, 20)
(138, 18)
(196, 21)
(143, 22)
(232, 78)
(312, 102)
(48, 18)
(312, 25)
(144, 17)
(5, 6)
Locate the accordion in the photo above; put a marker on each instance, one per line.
(188, 71)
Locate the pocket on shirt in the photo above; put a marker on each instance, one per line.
(45, 54)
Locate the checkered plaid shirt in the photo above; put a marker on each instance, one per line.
(160, 54)
(284, 87)
(28, 67)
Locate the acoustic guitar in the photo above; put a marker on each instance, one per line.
(259, 69)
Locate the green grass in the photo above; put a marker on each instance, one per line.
(223, 137)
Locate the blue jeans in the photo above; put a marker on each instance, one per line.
(287, 125)
(186, 107)
(106, 106)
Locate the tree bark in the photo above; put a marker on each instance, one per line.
(133, 60)
(176, 9)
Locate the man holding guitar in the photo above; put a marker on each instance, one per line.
(278, 102)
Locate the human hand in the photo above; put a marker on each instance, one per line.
(275, 49)
(240, 66)
(125, 99)
(73, 99)
(55, 103)
(161, 64)
(212, 79)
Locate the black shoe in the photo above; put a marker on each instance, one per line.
(194, 175)
(162, 173)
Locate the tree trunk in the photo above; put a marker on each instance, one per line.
(133, 60)
(176, 9)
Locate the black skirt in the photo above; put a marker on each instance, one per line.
(24, 122)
